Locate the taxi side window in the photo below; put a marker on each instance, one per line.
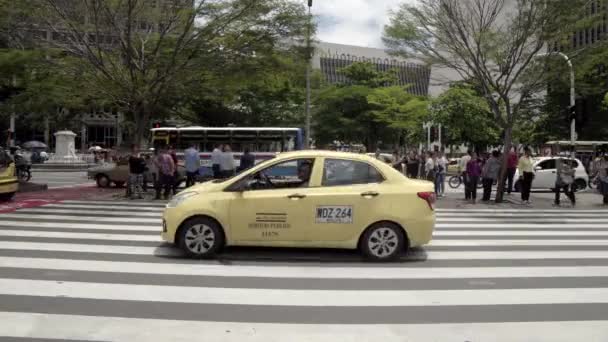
(338, 172)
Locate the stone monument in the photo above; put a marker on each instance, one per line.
(65, 152)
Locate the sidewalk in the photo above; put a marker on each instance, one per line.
(588, 199)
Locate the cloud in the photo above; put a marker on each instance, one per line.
(353, 22)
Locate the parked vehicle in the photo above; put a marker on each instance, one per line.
(118, 174)
(545, 174)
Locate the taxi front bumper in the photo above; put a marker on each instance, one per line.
(169, 225)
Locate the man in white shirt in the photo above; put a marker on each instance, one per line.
(215, 161)
(227, 164)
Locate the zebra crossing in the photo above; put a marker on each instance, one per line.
(97, 271)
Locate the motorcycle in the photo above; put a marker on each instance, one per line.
(23, 168)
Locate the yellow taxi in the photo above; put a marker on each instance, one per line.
(317, 199)
(9, 184)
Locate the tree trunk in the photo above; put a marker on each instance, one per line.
(500, 189)
(142, 122)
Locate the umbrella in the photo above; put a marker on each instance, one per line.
(95, 149)
(34, 144)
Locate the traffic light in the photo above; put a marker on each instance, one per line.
(434, 134)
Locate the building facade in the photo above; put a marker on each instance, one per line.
(330, 58)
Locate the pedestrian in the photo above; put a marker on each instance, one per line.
(151, 174)
(377, 155)
(441, 166)
(564, 181)
(462, 170)
(429, 168)
(397, 161)
(174, 182)
(602, 175)
(526, 169)
(227, 164)
(511, 168)
(247, 160)
(473, 173)
(490, 174)
(137, 167)
(166, 170)
(411, 163)
(215, 161)
(192, 159)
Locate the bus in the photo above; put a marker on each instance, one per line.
(257, 139)
(263, 142)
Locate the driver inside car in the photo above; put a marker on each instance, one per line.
(304, 171)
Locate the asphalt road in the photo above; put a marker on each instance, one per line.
(97, 271)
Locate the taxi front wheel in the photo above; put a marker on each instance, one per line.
(201, 238)
(383, 241)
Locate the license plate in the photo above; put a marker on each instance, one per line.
(334, 214)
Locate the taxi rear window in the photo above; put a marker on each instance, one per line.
(338, 172)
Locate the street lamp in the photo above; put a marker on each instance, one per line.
(308, 61)
(572, 94)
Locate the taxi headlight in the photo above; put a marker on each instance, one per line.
(175, 201)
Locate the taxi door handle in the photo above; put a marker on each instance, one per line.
(370, 194)
(296, 196)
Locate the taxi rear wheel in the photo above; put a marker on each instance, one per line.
(103, 181)
(201, 238)
(383, 241)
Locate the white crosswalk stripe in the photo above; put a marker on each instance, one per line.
(92, 271)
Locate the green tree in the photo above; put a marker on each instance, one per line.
(402, 112)
(486, 41)
(363, 111)
(143, 57)
(466, 115)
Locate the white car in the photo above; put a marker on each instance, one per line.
(545, 174)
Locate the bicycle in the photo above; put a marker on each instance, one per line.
(456, 181)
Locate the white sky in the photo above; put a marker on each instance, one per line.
(353, 22)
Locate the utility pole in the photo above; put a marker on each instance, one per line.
(572, 96)
(308, 62)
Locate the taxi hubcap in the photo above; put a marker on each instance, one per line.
(383, 242)
(200, 238)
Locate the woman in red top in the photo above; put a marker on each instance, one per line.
(511, 168)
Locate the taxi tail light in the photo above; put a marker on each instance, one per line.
(429, 197)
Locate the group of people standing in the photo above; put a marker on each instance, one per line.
(223, 164)
(160, 169)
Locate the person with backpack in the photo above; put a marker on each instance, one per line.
(564, 181)
(166, 170)
(490, 171)
(137, 168)
(473, 173)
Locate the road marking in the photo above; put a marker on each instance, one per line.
(131, 219)
(22, 223)
(74, 235)
(214, 268)
(285, 297)
(119, 329)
